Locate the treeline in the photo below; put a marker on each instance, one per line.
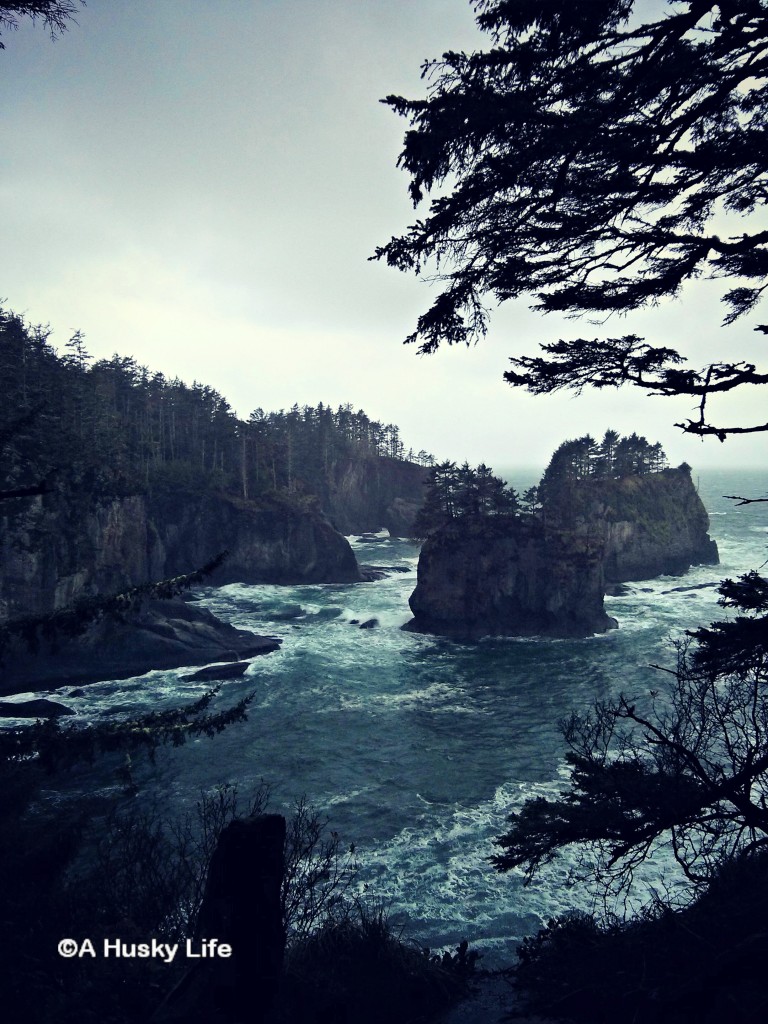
(614, 456)
(456, 491)
(130, 428)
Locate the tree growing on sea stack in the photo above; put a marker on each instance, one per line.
(454, 492)
(595, 163)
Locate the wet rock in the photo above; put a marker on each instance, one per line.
(504, 575)
(694, 586)
(369, 624)
(161, 635)
(231, 671)
(286, 614)
(371, 573)
(39, 708)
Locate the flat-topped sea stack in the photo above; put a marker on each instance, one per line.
(509, 575)
(656, 525)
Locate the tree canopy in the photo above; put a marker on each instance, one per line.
(684, 767)
(454, 492)
(614, 456)
(123, 428)
(54, 14)
(594, 163)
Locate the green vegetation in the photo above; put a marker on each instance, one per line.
(112, 427)
(683, 769)
(102, 867)
(356, 968)
(702, 964)
(454, 492)
(614, 456)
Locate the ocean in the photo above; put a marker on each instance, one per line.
(416, 748)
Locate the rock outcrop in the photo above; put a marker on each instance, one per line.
(504, 575)
(267, 543)
(373, 493)
(548, 575)
(160, 635)
(56, 548)
(656, 525)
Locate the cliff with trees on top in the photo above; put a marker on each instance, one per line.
(113, 476)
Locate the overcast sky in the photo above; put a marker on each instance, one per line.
(200, 185)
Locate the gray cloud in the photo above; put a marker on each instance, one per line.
(200, 186)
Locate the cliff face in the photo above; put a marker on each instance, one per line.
(509, 576)
(655, 524)
(367, 494)
(273, 544)
(56, 548)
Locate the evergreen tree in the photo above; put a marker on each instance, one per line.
(581, 159)
(684, 768)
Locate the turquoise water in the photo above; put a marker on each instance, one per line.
(416, 748)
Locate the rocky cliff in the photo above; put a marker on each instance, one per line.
(268, 542)
(58, 547)
(655, 525)
(371, 493)
(502, 574)
(548, 574)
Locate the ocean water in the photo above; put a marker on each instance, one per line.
(416, 748)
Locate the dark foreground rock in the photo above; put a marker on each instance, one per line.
(162, 635)
(39, 708)
(503, 575)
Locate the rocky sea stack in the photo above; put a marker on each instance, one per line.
(507, 575)
(547, 572)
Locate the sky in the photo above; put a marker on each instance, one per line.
(201, 185)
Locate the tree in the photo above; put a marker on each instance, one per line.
(595, 164)
(687, 769)
(55, 14)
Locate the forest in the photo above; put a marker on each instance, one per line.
(456, 491)
(118, 428)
